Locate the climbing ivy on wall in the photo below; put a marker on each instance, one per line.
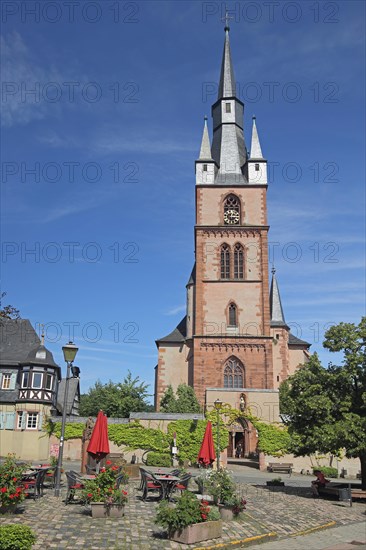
(136, 436)
(272, 439)
(189, 437)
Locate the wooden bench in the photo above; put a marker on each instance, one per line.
(280, 467)
(337, 490)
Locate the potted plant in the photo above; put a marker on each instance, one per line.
(232, 507)
(103, 495)
(203, 479)
(276, 482)
(189, 520)
(221, 486)
(11, 490)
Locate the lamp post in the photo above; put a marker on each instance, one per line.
(70, 351)
(218, 405)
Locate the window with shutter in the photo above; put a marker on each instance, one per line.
(9, 420)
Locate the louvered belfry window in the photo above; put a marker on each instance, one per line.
(232, 315)
(238, 262)
(225, 262)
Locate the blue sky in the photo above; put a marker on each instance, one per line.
(111, 132)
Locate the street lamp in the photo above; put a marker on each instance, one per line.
(218, 406)
(70, 351)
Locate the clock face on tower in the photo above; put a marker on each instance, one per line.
(231, 217)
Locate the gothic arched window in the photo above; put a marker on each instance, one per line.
(238, 262)
(233, 374)
(232, 210)
(232, 315)
(225, 262)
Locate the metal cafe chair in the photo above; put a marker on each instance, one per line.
(74, 483)
(33, 483)
(150, 483)
(182, 484)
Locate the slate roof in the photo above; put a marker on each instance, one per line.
(227, 86)
(255, 149)
(178, 334)
(17, 339)
(192, 278)
(277, 315)
(40, 355)
(294, 341)
(205, 151)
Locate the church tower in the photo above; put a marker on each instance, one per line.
(224, 346)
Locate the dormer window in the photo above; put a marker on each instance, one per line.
(228, 107)
(41, 354)
(5, 384)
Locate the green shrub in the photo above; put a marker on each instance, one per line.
(328, 471)
(159, 459)
(16, 537)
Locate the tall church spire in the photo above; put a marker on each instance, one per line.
(227, 86)
(205, 151)
(255, 149)
(277, 316)
(228, 145)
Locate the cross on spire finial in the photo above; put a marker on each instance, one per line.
(273, 269)
(226, 19)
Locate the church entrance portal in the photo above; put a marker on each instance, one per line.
(242, 439)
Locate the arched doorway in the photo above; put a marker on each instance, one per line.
(243, 439)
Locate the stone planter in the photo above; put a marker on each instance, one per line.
(100, 510)
(8, 509)
(198, 532)
(226, 512)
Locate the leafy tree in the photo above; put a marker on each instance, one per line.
(168, 401)
(184, 402)
(116, 399)
(327, 407)
(8, 312)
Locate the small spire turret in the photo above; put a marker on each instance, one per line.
(205, 151)
(277, 315)
(255, 149)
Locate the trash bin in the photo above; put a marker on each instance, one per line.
(345, 495)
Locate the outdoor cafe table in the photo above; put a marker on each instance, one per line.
(168, 483)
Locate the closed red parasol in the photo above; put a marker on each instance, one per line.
(99, 444)
(207, 454)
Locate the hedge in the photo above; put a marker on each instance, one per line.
(16, 537)
(159, 459)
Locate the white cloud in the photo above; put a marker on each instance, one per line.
(21, 73)
(175, 310)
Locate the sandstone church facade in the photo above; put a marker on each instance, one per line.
(233, 343)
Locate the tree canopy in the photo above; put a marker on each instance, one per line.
(8, 312)
(116, 399)
(327, 406)
(185, 400)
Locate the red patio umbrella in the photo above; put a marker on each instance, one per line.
(98, 446)
(207, 454)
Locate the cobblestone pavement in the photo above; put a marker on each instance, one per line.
(282, 513)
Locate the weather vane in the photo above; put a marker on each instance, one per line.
(226, 19)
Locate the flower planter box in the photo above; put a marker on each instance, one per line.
(198, 532)
(8, 508)
(100, 510)
(226, 512)
(278, 484)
